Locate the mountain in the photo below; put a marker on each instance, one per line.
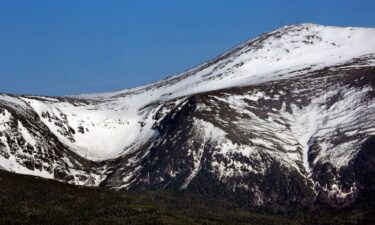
(284, 119)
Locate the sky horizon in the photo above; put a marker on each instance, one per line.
(70, 47)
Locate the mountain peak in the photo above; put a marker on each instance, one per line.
(275, 55)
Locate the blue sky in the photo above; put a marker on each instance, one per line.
(60, 47)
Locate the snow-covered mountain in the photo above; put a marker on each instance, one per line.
(293, 108)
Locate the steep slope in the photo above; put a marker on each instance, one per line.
(302, 133)
(285, 117)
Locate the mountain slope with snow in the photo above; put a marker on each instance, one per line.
(284, 53)
(294, 105)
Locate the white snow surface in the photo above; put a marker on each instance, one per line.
(109, 128)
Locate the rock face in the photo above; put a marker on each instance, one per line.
(284, 119)
(27, 146)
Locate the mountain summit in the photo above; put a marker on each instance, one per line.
(285, 118)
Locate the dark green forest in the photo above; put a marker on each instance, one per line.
(31, 200)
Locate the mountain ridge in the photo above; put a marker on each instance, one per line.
(281, 31)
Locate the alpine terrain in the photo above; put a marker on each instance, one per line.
(285, 119)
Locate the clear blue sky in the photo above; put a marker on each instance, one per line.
(60, 47)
